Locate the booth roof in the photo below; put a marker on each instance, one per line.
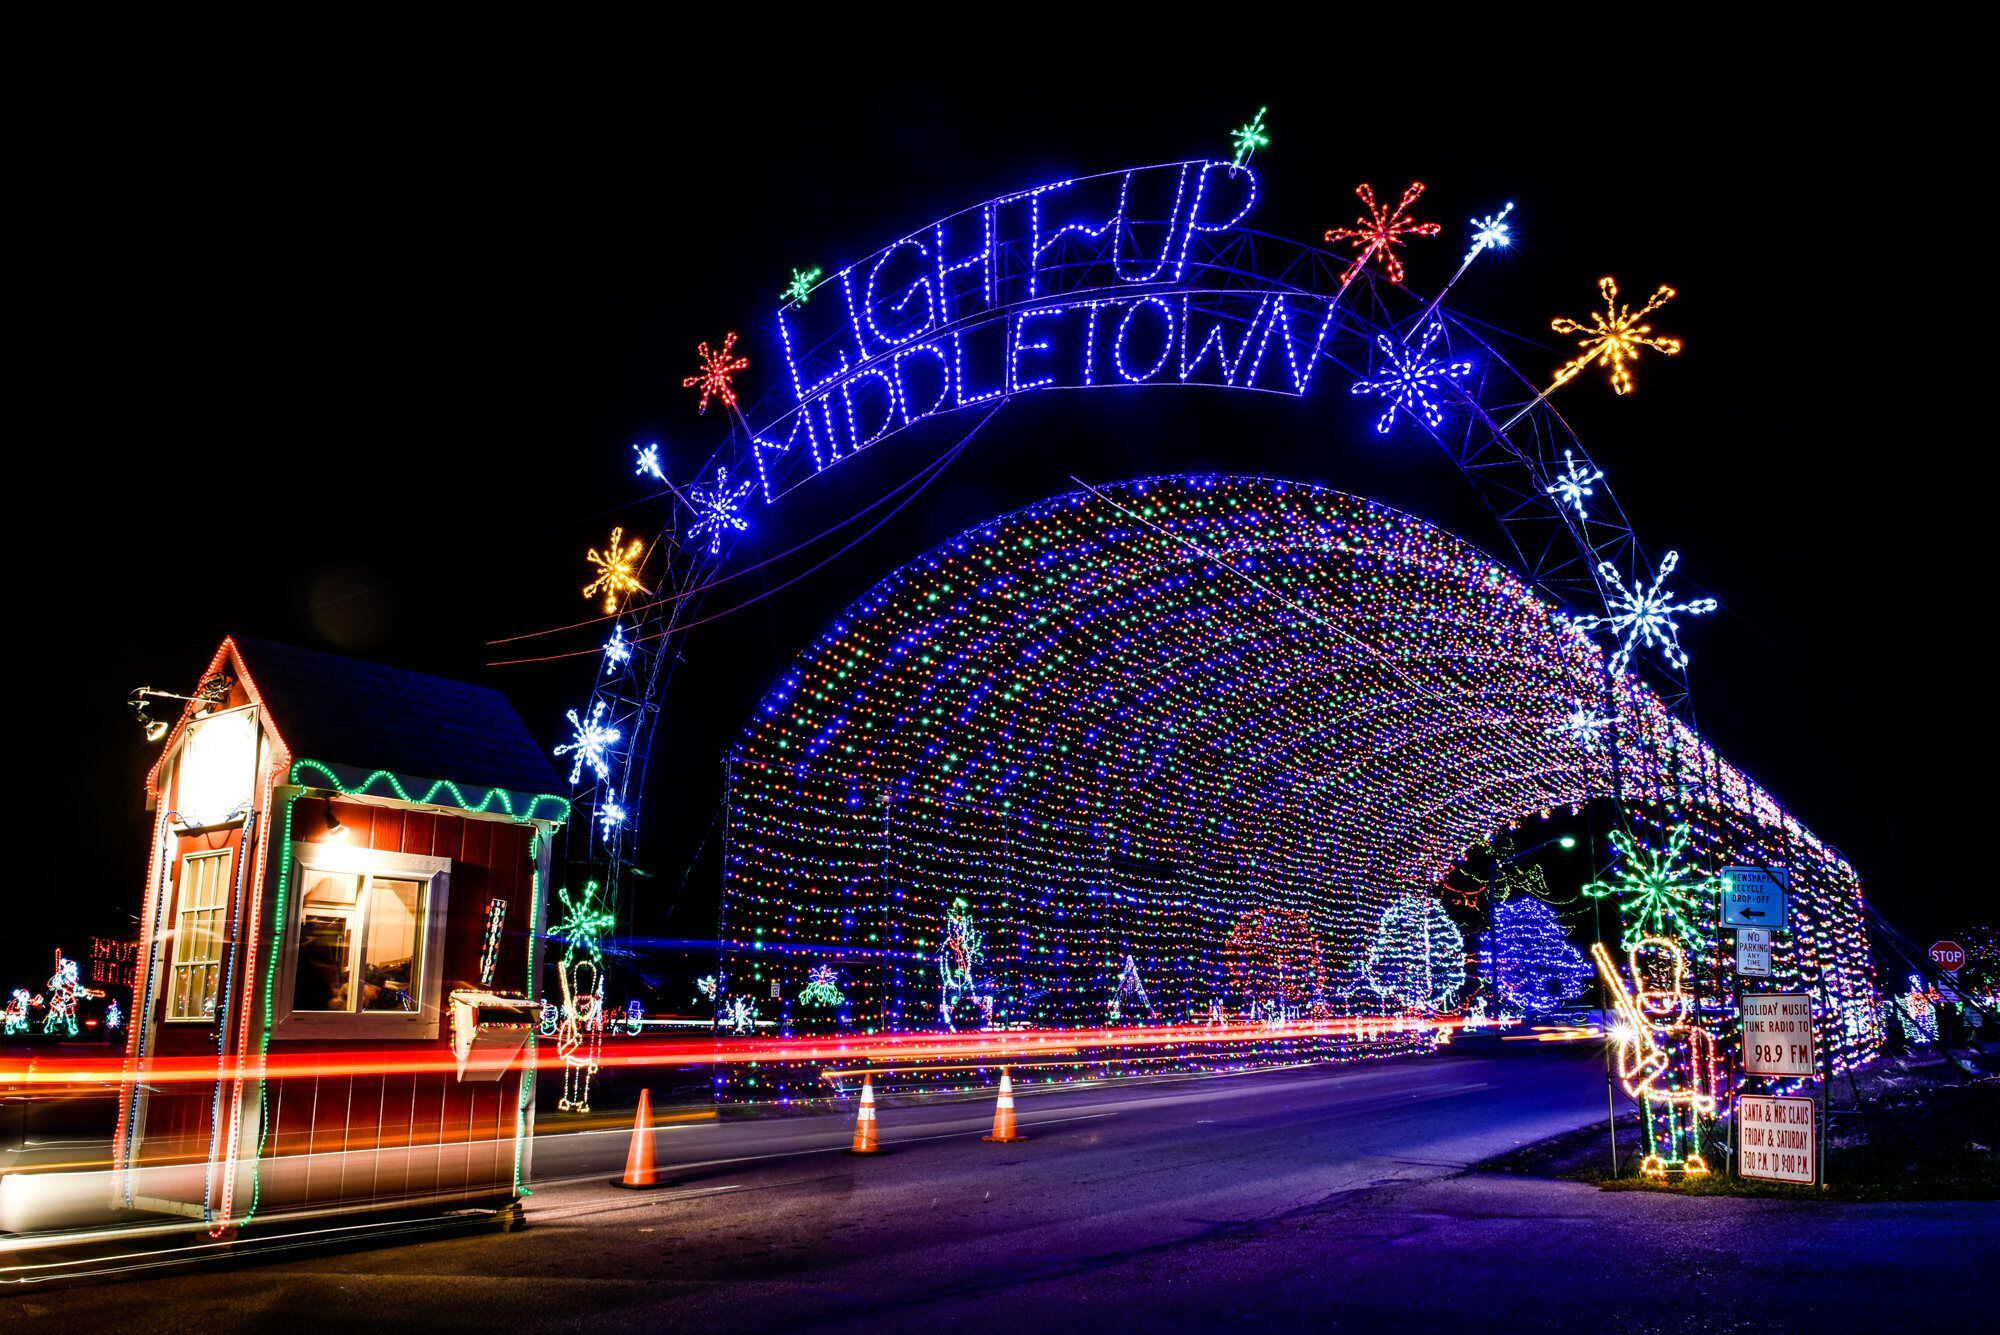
(369, 716)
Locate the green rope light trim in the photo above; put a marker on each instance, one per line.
(278, 936)
(495, 797)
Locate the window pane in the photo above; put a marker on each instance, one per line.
(198, 931)
(325, 889)
(389, 978)
(326, 959)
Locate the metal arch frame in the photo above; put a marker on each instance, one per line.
(1510, 465)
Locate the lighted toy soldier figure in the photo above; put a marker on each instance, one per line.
(17, 1012)
(64, 990)
(1666, 1060)
(580, 1032)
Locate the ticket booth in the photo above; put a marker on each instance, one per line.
(340, 945)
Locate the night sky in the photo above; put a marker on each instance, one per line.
(356, 362)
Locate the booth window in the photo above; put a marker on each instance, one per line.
(198, 932)
(363, 941)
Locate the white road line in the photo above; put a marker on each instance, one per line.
(888, 1143)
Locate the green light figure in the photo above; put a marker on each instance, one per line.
(799, 290)
(1659, 896)
(1248, 139)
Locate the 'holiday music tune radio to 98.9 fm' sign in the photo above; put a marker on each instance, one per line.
(1778, 1035)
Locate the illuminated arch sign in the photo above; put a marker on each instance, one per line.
(1099, 281)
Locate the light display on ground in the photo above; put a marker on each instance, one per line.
(66, 989)
(1527, 960)
(1417, 957)
(1666, 1059)
(580, 1022)
(1122, 721)
(16, 1016)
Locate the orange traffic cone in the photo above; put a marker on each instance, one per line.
(639, 1158)
(1003, 1113)
(864, 1122)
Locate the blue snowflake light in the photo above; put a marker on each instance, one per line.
(1643, 614)
(1574, 484)
(617, 649)
(646, 462)
(590, 743)
(1414, 375)
(718, 510)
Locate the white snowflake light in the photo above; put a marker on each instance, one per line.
(718, 510)
(617, 649)
(1414, 375)
(589, 744)
(647, 462)
(1492, 231)
(1643, 615)
(610, 815)
(1583, 723)
(1574, 484)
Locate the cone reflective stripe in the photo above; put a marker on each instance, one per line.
(864, 1122)
(639, 1157)
(1003, 1113)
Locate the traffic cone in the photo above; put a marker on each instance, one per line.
(1003, 1114)
(864, 1122)
(639, 1158)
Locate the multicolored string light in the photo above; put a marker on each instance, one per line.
(1128, 722)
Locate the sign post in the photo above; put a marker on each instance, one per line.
(1755, 896)
(1753, 952)
(1778, 1035)
(1775, 1139)
(1948, 955)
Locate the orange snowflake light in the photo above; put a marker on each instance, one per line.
(1379, 232)
(617, 569)
(1614, 337)
(716, 368)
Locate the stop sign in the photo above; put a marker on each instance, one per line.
(1948, 955)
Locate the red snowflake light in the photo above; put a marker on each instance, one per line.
(1380, 230)
(716, 368)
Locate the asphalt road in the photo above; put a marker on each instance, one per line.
(1320, 1198)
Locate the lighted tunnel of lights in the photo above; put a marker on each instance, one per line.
(1123, 720)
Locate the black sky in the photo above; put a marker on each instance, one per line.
(352, 357)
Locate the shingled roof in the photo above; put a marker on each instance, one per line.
(345, 711)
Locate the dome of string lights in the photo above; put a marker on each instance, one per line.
(1114, 727)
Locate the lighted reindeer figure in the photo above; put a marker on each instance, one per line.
(65, 988)
(16, 1014)
(1665, 1059)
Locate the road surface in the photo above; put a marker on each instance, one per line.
(1318, 1198)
